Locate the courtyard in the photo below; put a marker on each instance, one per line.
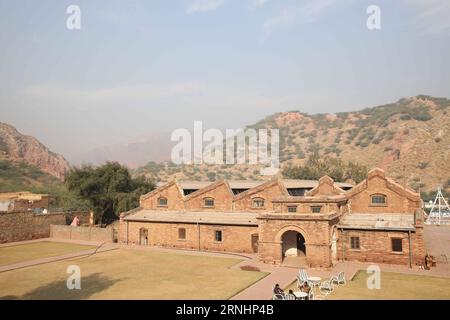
(127, 274)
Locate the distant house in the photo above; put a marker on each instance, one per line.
(23, 201)
(319, 222)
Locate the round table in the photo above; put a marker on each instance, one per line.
(315, 280)
(300, 295)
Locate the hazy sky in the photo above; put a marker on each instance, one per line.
(141, 66)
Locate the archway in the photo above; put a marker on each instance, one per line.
(293, 244)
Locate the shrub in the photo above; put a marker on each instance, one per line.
(250, 268)
(405, 117)
(422, 165)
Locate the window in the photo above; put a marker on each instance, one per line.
(218, 236)
(292, 208)
(162, 202)
(378, 199)
(208, 202)
(354, 243)
(182, 234)
(316, 209)
(258, 203)
(397, 245)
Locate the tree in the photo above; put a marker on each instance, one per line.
(110, 189)
(317, 167)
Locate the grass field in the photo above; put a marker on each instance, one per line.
(393, 286)
(131, 274)
(31, 251)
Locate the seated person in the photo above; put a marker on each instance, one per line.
(278, 290)
(305, 287)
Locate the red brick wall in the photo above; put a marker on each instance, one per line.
(396, 202)
(317, 234)
(234, 238)
(221, 194)
(171, 193)
(245, 204)
(375, 246)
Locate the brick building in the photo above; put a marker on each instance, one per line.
(318, 222)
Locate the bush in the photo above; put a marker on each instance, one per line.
(422, 165)
(317, 167)
(405, 117)
(250, 268)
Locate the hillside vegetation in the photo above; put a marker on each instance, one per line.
(20, 176)
(410, 139)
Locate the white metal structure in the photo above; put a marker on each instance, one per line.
(440, 211)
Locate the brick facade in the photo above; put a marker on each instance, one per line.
(196, 237)
(319, 224)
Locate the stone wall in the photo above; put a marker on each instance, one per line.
(234, 238)
(20, 226)
(82, 233)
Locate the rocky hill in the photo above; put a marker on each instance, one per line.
(16, 147)
(409, 138)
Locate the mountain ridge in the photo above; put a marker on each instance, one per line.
(16, 147)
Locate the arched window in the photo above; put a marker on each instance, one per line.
(162, 202)
(378, 200)
(258, 203)
(208, 202)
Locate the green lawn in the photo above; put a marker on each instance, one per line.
(393, 286)
(131, 274)
(36, 250)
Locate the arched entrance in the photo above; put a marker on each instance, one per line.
(143, 237)
(293, 244)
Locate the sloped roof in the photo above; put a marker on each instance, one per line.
(193, 185)
(234, 184)
(225, 218)
(248, 184)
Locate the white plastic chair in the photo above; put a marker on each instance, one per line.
(326, 287)
(302, 276)
(290, 296)
(278, 297)
(339, 279)
(313, 296)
